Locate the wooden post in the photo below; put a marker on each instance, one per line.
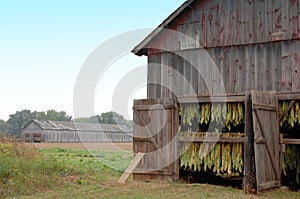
(249, 172)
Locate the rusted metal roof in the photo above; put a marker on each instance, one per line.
(76, 126)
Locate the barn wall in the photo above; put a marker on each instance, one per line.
(83, 136)
(270, 67)
(215, 23)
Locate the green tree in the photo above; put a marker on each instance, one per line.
(53, 115)
(107, 118)
(17, 120)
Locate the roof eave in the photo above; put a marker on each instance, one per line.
(141, 48)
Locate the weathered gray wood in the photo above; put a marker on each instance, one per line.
(291, 141)
(286, 68)
(153, 134)
(131, 167)
(249, 172)
(292, 103)
(265, 128)
(213, 140)
(296, 67)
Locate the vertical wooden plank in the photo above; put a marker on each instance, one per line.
(298, 21)
(222, 18)
(248, 67)
(194, 73)
(269, 19)
(267, 77)
(296, 67)
(293, 11)
(233, 70)
(236, 22)
(156, 65)
(201, 68)
(203, 29)
(150, 77)
(222, 65)
(216, 72)
(277, 18)
(178, 78)
(197, 34)
(285, 19)
(209, 23)
(249, 172)
(251, 12)
(175, 141)
(278, 68)
(170, 83)
(227, 69)
(259, 67)
(259, 21)
(210, 70)
(241, 70)
(229, 23)
(176, 75)
(286, 67)
(273, 65)
(243, 22)
(208, 78)
(181, 37)
(164, 75)
(187, 74)
(216, 22)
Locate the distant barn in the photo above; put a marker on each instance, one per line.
(57, 131)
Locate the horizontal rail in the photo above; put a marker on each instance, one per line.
(290, 141)
(213, 98)
(212, 140)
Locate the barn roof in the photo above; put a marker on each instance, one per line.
(140, 49)
(77, 126)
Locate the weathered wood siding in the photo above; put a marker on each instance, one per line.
(271, 66)
(79, 136)
(155, 130)
(216, 23)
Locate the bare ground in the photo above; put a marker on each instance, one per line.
(87, 146)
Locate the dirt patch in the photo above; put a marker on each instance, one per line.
(87, 146)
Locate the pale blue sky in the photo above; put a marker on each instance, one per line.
(43, 44)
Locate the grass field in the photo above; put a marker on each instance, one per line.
(86, 175)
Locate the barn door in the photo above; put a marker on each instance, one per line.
(155, 127)
(266, 140)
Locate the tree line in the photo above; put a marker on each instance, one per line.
(13, 126)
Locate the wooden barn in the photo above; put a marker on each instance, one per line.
(223, 95)
(73, 132)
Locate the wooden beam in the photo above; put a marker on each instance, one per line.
(287, 110)
(152, 172)
(131, 167)
(211, 139)
(291, 141)
(268, 185)
(212, 98)
(265, 107)
(149, 134)
(288, 96)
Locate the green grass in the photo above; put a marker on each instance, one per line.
(24, 171)
(91, 161)
(62, 173)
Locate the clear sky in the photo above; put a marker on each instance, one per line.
(43, 44)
